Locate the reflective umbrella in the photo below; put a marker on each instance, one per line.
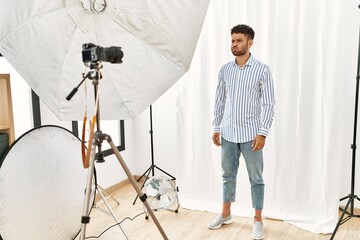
(43, 41)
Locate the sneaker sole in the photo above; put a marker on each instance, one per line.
(259, 238)
(219, 226)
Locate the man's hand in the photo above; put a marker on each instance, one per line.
(216, 138)
(258, 143)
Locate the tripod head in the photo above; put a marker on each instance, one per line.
(94, 73)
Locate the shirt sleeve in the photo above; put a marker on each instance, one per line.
(268, 102)
(220, 99)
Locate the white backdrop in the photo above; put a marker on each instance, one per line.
(311, 48)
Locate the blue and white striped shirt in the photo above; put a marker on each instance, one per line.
(244, 101)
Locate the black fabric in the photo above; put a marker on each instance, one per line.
(4, 146)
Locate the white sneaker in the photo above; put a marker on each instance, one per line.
(258, 231)
(218, 221)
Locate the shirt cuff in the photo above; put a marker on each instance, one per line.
(264, 132)
(216, 128)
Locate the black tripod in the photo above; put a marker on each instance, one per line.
(350, 204)
(152, 167)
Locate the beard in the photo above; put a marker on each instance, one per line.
(239, 52)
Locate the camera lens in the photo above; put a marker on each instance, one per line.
(113, 54)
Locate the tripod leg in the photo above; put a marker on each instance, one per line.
(340, 220)
(145, 173)
(85, 219)
(357, 215)
(136, 187)
(172, 177)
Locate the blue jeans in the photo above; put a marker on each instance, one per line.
(230, 154)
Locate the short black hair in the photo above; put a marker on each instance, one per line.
(244, 29)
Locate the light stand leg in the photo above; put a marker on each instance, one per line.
(172, 177)
(85, 219)
(147, 173)
(112, 213)
(104, 197)
(342, 219)
(135, 185)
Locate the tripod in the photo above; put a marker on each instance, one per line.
(98, 138)
(351, 197)
(152, 167)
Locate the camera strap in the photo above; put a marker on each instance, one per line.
(86, 155)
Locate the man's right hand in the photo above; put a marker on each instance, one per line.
(216, 138)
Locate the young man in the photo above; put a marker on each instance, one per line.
(244, 107)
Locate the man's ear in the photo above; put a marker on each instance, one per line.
(250, 42)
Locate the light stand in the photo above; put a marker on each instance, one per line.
(351, 196)
(152, 167)
(99, 137)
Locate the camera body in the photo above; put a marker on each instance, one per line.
(93, 54)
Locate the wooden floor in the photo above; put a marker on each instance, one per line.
(191, 225)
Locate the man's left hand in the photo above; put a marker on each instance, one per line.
(258, 143)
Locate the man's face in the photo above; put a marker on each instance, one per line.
(240, 44)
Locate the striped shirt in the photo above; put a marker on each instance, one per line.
(244, 101)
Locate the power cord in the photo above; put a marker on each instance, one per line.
(131, 219)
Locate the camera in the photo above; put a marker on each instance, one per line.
(93, 54)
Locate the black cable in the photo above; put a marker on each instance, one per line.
(131, 219)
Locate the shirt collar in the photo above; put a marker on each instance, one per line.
(248, 63)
